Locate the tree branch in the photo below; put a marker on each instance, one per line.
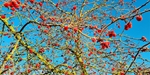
(136, 56)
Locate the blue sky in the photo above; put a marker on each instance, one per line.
(141, 28)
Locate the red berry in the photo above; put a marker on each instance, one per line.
(95, 26)
(11, 4)
(41, 4)
(56, 44)
(75, 40)
(99, 40)
(94, 49)
(105, 45)
(12, 73)
(139, 68)
(129, 25)
(111, 34)
(18, 2)
(74, 7)
(143, 38)
(38, 65)
(126, 27)
(66, 73)
(82, 73)
(70, 67)
(90, 53)
(6, 4)
(3, 16)
(94, 39)
(57, 4)
(75, 29)
(30, 51)
(122, 73)
(94, 18)
(41, 50)
(39, 26)
(14, 4)
(66, 28)
(45, 31)
(42, 17)
(5, 34)
(48, 26)
(113, 69)
(138, 17)
(68, 34)
(23, 6)
(99, 30)
(29, 70)
(32, 1)
(6, 66)
(13, 8)
(52, 19)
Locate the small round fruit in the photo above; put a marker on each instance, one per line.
(138, 17)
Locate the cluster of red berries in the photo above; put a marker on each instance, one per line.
(111, 34)
(94, 17)
(41, 50)
(105, 45)
(75, 29)
(53, 19)
(13, 4)
(129, 24)
(93, 27)
(43, 17)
